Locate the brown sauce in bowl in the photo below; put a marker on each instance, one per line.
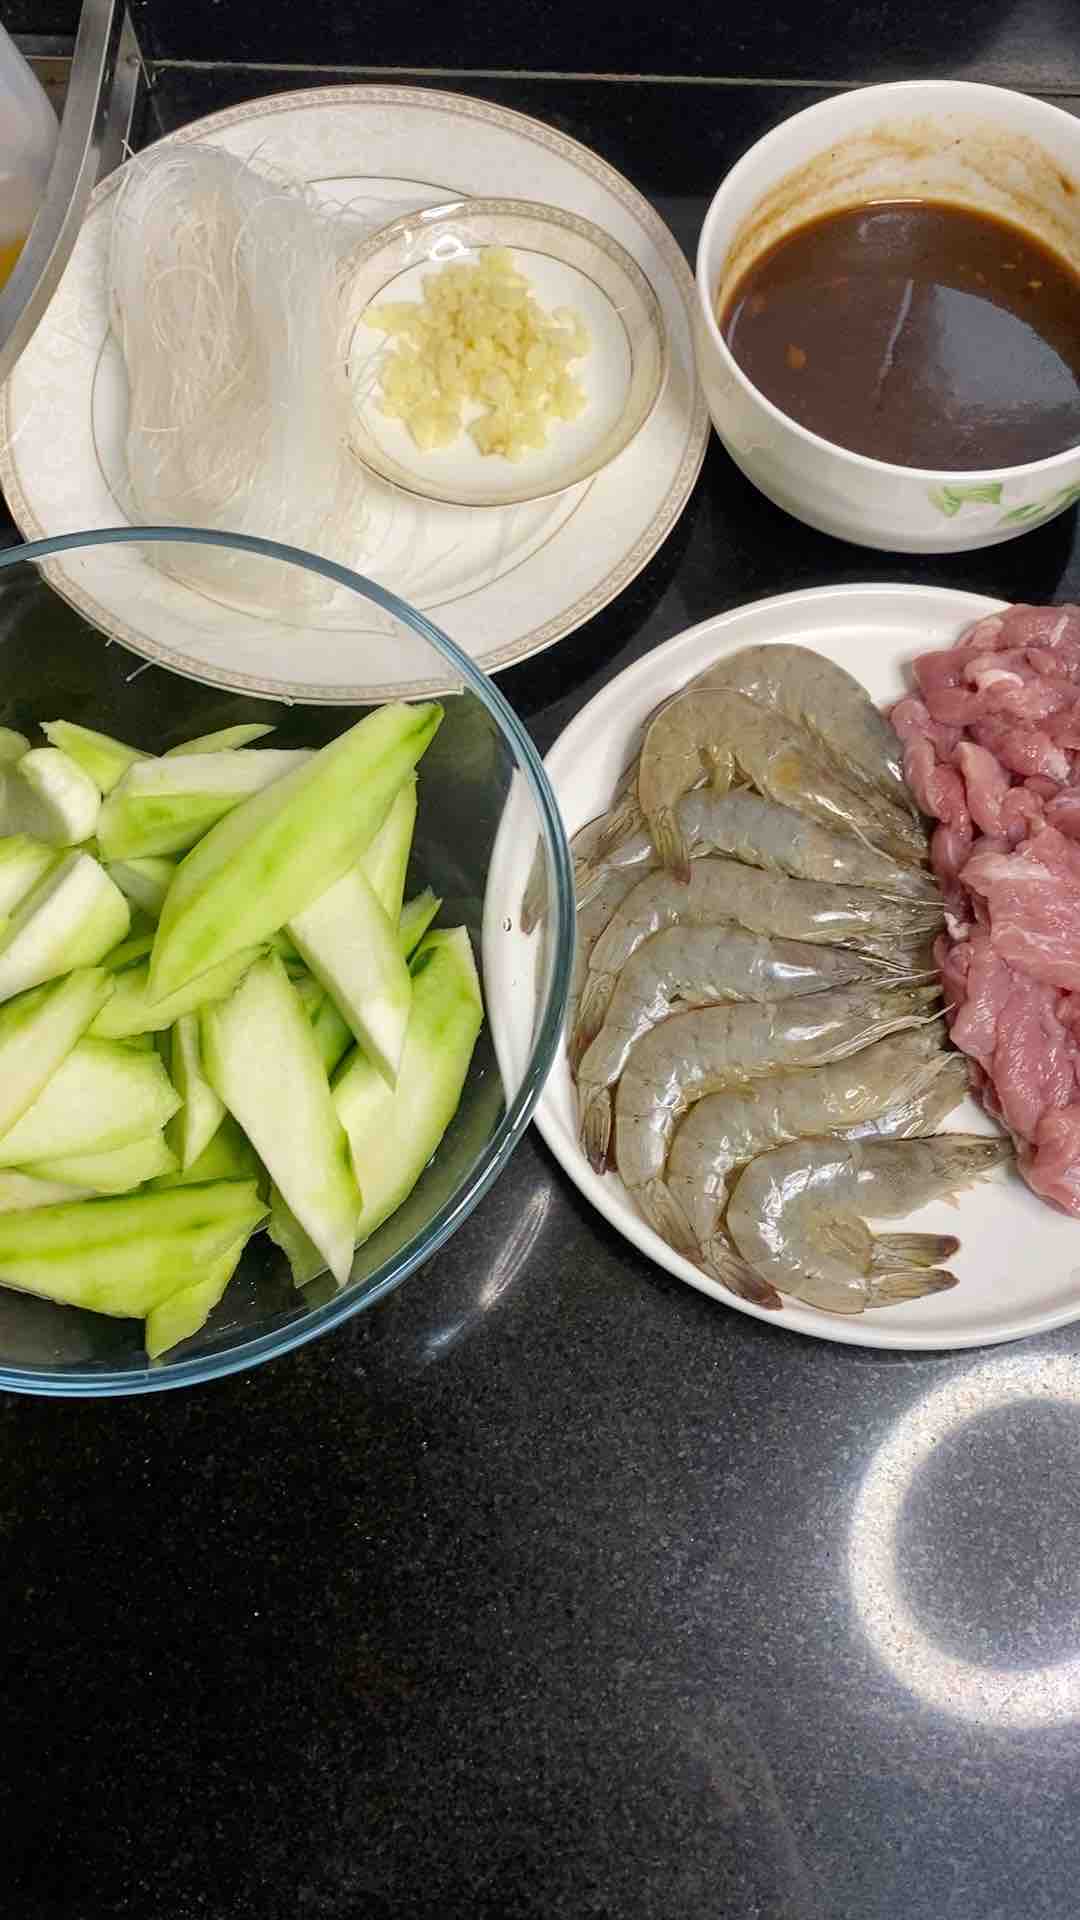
(924, 334)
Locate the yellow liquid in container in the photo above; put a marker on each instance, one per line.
(9, 253)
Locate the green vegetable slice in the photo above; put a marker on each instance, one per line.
(183, 1313)
(262, 1060)
(48, 795)
(23, 862)
(333, 1035)
(194, 1126)
(105, 760)
(125, 1256)
(137, 946)
(275, 853)
(12, 745)
(38, 1030)
(225, 738)
(386, 861)
(416, 917)
(132, 1009)
(21, 1191)
(165, 806)
(144, 882)
(393, 1132)
(229, 1156)
(351, 947)
(103, 1096)
(70, 919)
(116, 1171)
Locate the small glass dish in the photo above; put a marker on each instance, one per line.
(568, 262)
(485, 811)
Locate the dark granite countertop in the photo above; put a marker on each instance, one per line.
(549, 1587)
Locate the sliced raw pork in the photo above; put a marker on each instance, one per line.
(992, 753)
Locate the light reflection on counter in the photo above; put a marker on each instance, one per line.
(995, 1696)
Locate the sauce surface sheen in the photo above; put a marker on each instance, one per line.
(920, 333)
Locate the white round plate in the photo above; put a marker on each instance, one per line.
(504, 582)
(1019, 1263)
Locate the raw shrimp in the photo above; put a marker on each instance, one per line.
(780, 759)
(729, 1128)
(831, 706)
(761, 833)
(694, 1054)
(919, 1115)
(700, 967)
(795, 1215)
(762, 902)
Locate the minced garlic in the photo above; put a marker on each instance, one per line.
(478, 335)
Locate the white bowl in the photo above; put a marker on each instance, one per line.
(920, 139)
(570, 262)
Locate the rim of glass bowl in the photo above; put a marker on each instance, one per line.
(318, 1320)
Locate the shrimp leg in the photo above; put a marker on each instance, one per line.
(762, 902)
(795, 1215)
(924, 1111)
(699, 967)
(693, 1054)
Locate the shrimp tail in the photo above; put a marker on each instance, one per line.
(595, 1130)
(889, 1289)
(670, 844)
(893, 1251)
(723, 1263)
(666, 1217)
(592, 1007)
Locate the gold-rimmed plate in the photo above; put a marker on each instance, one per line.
(505, 582)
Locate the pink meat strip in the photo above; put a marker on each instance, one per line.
(991, 739)
(1033, 897)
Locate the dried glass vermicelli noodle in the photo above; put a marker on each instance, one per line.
(225, 288)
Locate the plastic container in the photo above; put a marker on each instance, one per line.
(28, 133)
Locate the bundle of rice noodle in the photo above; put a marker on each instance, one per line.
(226, 299)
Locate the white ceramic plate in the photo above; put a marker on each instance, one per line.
(1019, 1263)
(505, 582)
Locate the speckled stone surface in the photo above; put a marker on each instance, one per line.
(549, 1588)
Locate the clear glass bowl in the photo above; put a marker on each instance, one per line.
(485, 808)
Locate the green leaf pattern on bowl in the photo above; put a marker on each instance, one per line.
(987, 493)
(1039, 509)
(949, 499)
